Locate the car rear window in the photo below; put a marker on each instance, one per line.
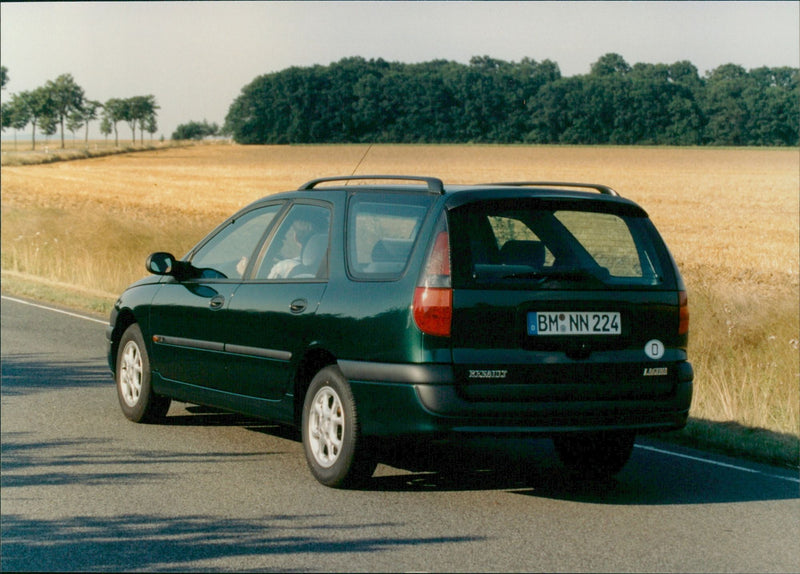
(539, 244)
(382, 230)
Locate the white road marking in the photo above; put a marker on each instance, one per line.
(84, 317)
(723, 464)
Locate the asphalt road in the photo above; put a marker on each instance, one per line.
(84, 489)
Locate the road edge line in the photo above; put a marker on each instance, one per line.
(45, 307)
(716, 463)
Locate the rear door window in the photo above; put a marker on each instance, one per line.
(540, 244)
(299, 247)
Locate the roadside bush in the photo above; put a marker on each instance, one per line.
(195, 131)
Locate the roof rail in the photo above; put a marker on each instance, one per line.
(435, 185)
(604, 189)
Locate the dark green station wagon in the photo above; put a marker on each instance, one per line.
(384, 311)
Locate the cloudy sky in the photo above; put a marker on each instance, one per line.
(195, 57)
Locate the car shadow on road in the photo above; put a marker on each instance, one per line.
(531, 468)
(198, 415)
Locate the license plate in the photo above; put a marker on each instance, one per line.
(570, 323)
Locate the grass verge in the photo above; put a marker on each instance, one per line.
(44, 156)
(56, 292)
(729, 438)
(733, 439)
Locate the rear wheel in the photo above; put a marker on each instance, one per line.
(136, 397)
(334, 448)
(595, 455)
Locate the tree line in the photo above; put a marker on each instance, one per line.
(494, 101)
(62, 103)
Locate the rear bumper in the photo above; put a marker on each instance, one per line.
(424, 400)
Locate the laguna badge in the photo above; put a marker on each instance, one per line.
(655, 372)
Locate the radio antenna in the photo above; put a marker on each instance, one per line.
(355, 169)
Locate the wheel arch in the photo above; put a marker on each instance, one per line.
(314, 360)
(125, 318)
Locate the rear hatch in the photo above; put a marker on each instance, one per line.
(562, 297)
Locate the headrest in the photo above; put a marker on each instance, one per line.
(314, 250)
(523, 252)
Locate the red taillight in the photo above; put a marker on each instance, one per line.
(433, 310)
(433, 296)
(683, 302)
(439, 259)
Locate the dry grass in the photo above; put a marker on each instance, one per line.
(49, 150)
(730, 217)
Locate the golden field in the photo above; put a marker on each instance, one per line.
(730, 217)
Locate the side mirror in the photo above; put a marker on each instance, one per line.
(161, 263)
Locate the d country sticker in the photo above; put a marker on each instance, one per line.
(654, 349)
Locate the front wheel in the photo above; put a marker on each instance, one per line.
(595, 455)
(136, 397)
(334, 448)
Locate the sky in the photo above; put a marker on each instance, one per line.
(195, 57)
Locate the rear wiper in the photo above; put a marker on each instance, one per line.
(563, 274)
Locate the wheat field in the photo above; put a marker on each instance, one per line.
(730, 217)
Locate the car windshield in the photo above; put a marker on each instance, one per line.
(538, 244)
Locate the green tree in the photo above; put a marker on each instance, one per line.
(16, 114)
(725, 106)
(661, 108)
(105, 126)
(114, 111)
(772, 101)
(3, 77)
(151, 125)
(75, 122)
(89, 113)
(48, 125)
(66, 97)
(610, 65)
(37, 106)
(140, 111)
(127, 115)
(195, 131)
(549, 113)
(491, 100)
(5, 115)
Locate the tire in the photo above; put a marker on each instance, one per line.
(595, 455)
(136, 397)
(335, 451)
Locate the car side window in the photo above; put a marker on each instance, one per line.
(299, 247)
(227, 254)
(382, 230)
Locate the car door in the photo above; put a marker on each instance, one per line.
(187, 317)
(271, 318)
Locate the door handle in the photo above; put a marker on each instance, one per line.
(298, 305)
(217, 302)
